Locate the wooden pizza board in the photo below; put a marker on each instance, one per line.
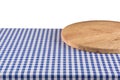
(95, 36)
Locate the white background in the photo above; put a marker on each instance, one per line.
(55, 13)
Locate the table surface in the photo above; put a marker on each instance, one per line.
(41, 54)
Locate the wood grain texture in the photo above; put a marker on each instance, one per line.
(95, 36)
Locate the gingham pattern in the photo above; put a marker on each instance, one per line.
(40, 54)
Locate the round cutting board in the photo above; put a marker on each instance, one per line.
(95, 36)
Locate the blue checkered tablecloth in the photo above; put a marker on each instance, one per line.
(35, 54)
